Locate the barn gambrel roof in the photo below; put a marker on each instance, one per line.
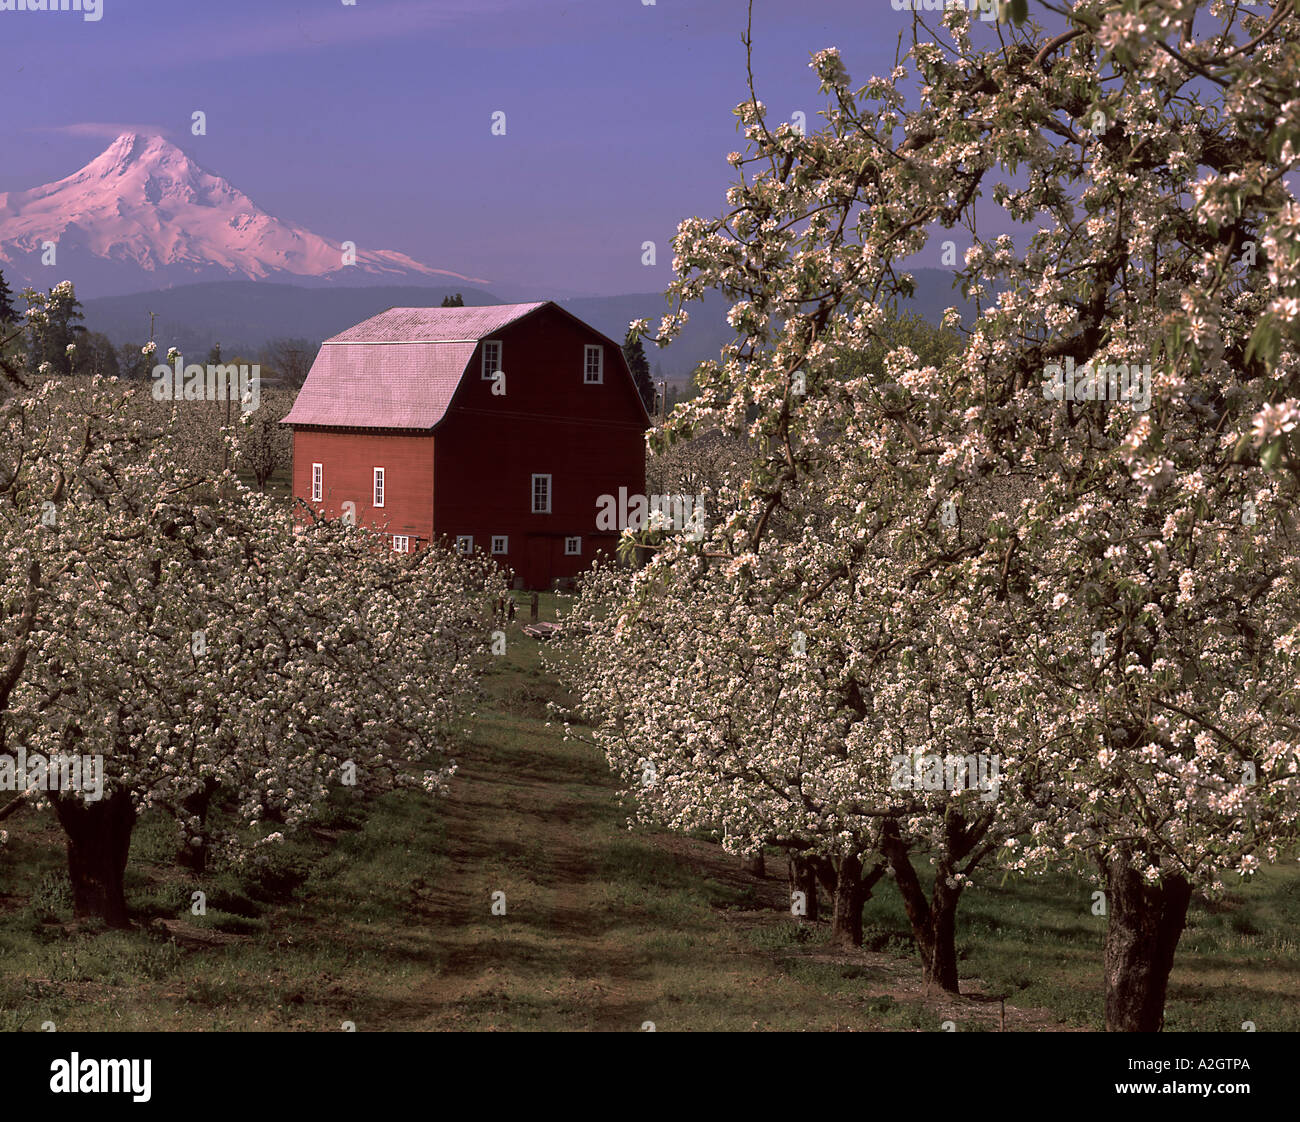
(435, 325)
(400, 369)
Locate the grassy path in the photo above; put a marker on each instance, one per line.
(607, 930)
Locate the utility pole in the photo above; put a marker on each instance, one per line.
(152, 316)
(663, 403)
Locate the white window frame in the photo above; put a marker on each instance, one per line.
(464, 543)
(533, 495)
(380, 493)
(490, 368)
(317, 482)
(401, 543)
(504, 539)
(573, 540)
(587, 379)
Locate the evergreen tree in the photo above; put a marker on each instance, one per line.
(457, 301)
(52, 327)
(132, 362)
(96, 355)
(8, 313)
(640, 367)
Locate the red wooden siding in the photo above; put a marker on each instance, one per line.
(349, 460)
(589, 438)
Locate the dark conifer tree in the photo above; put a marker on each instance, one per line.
(640, 367)
(8, 313)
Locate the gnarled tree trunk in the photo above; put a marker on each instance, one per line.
(1144, 925)
(99, 840)
(851, 887)
(933, 921)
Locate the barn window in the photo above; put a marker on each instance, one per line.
(465, 543)
(499, 543)
(572, 547)
(594, 365)
(317, 482)
(541, 494)
(401, 544)
(379, 486)
(491, 358)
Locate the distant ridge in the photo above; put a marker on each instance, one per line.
(246, 314)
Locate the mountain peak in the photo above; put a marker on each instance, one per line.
(144, 205)
(134, 148)
(130, 144)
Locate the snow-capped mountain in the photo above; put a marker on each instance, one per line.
(144, 215)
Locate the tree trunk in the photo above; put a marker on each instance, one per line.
(846, 913)
(933, 921)
(195, 857)
(99, 839)
(1144, 925)
(852, 889)
(942, 967)
(754, 864)
(803, 878)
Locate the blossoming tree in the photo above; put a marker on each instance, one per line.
(1099, 586)
(204, 645)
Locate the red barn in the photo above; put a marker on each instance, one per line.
(497, 428)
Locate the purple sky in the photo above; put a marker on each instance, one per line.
(372, 122)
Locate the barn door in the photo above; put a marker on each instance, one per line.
(539, 561)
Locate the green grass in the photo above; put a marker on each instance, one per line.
(382, 915)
